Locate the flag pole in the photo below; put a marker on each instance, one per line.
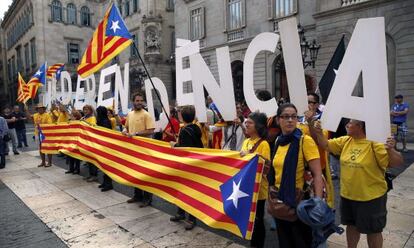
(153, 86)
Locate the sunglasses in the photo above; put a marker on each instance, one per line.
(311, 102)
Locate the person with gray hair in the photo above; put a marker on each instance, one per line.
(3, 131)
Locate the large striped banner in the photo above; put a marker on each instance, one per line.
(220, 188)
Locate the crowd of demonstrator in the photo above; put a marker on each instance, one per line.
(298, 156)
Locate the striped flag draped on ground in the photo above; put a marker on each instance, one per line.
(109, 39)
(56, 68)
(23, 93)
(217, 187)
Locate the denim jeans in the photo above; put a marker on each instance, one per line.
(12, 133)
(21, 137)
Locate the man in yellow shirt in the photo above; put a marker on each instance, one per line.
(42, 117)
(139, 123)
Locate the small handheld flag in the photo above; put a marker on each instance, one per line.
(37, 80)
(55, 69)
(109, 39)
(23, 93)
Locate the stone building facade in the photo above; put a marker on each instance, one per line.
(58, 31)
(234, 23)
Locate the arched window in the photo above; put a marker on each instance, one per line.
(85, 16)
(56, 11)
(71, 13)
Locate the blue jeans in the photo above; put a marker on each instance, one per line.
(21, 137)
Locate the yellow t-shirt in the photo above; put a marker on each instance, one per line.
(264, 150)
(91, 120)
(62, 117)
(137, 121)
(44, 118)
(309, 150)
(362, 178)
(113, 123)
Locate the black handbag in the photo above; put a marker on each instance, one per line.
(6, 137)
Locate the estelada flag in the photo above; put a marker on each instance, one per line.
(109, 39)
(55, 69)
(23, 93)
(37, 80)
(219, 188)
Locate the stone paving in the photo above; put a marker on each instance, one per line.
(82, 216)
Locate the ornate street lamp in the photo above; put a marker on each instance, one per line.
(306, 48)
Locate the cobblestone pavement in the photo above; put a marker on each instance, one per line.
(20, 227)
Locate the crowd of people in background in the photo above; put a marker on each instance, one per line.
(301, 159)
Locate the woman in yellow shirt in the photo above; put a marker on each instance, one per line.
(286, 177)
(42, 117)
(89, 117)
(363, 186)
(256, 143)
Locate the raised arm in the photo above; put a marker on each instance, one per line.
(395, 157)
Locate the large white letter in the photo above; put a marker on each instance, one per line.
(160, 87)
(185, 49)
(106, 86)
(83, 98)
(223, 94)
(293, 63)
(262, 42)
(65, 97)
(366, 53)
(122, 89)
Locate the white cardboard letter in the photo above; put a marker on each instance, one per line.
(159, 85)
(83, 98)
(263, 42)
(293, 63)
(366, 53)
(223, 94)
(106, 86)
(186, 49)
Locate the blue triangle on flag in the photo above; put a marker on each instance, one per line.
(237, 195)
(116, 25)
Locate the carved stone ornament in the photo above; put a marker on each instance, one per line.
(152, 40)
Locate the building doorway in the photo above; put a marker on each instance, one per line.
(237, 74)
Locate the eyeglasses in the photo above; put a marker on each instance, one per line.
(310, 102)
(288, 117)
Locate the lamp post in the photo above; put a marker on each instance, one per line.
(307, 48)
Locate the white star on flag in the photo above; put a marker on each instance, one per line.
(115, 26)
(237, 194)
(336, 71)
(38, 73)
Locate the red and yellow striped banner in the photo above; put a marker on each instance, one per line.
(187, 177)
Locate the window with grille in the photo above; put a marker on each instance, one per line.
(235, 14)
(85, 16)
(197, 23)
(26, 57)
(71, 13)
(56, 11)
(73, 53)
(33, 52)
(284, 8)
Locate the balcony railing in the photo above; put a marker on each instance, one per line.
(351, 2)
(235, 35)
